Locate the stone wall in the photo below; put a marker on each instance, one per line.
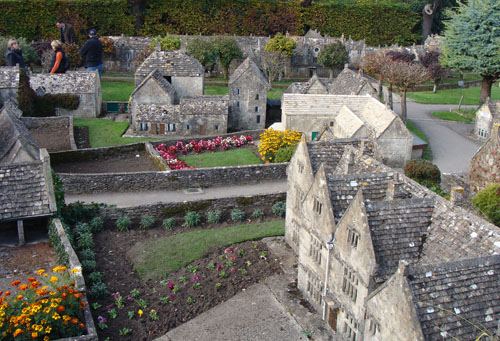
(161, 211)
(43, 130)
(485, 164)
(171, 179)
(94, 153)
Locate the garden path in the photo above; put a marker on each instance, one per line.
(130, 199)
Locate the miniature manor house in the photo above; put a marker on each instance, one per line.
(381, 257)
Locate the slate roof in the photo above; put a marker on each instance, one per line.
(156, 76)
(330, 152)
(171, 63)
(14, 135)
(457, 300)
(9, 77)
(349, 82)
(304, 87)
(71, 82)
(398, 229)
(248, 65)
(23, 191)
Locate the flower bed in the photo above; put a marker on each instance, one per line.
(169, 153)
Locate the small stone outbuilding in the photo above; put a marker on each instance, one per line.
(485, 164)
(248, 97)
(487, 115)
(9, 83)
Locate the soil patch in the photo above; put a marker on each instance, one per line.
(52, 139)
(138, 161)
(177, 297)
(82, 137)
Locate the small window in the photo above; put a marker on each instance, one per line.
(187, 126)
(317, 206)
(258, 118)
(171, 127)
(352, 238)
(237, 91)
(238, 104)
(331, 124)
(216, 127)
(256, 109)
(257, 96)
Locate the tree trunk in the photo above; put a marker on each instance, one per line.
(380, 88)
(138, 7)
(486, 89)
(428, 13)
(331, 73)
(403, 106)
(390, 97)
(435, 88)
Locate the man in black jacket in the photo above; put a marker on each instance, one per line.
(91, 52)
(67, 32)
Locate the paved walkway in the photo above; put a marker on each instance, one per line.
(130, 199)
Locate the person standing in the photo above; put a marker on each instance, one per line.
(14, 54)
(67, 32)
(58, 59)
(91, 52)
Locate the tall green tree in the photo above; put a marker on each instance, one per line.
(203, 50)
(278, 50)
(226, 49)
(333, 56)
(471, 41)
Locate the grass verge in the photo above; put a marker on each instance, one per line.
(116, 91)
(106, 133)
(466, 116)
(235, 157)
(427, 153)
(452, 96)
(158, 257)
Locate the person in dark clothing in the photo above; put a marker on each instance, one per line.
(57, 65)
(67, 32)
(14, 54)
(91, 52)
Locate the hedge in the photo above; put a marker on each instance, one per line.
(378, 23)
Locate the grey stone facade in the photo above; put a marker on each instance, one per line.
(487, 115)
(85, 84)
(352, 220)
(485, 164)
(9, 83)
(247, 97)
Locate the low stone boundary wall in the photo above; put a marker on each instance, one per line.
(171, 179)
(51, 124)
(74, 263)
(161, 211)
(93, 153)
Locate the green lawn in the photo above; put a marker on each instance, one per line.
(466, 116)
(235, 157)
(452, 96)
(116, 91)
(216, 90)
(106, 133)
(158, 257)
(427, 153)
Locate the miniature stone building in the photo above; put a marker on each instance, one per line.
(183, 72)
(356, 116)
(347, 82)
(485, 164)
(9, 83)
(247, 97)
(85, 84)
(26, 192)
(352, 219)
(486, 116)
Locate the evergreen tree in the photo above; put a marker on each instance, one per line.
(333, 56)
(471, 41)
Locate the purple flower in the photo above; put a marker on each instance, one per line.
(170, 285)
(109, 307)
(130, 298)
(101, 319)
(196, 278)
(172, 296)
(220, 266)
(115, 295)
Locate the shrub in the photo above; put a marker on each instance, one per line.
(95, 277)
(191, 219)
(237, 215)
(257, 214)
(146, 222)
(279, 209)
(82, 228)
(96, 224)
(169, 223)
(29, 53)
(284, 154)
(488, 202)
(99, 290)
(88, 265)
(86, 254)
(214, 217)
(85, 241)
(166, 43)
(272, 140)
(424, 172)
(123, 223)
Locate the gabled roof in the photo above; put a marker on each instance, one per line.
(377, 116)
(349, 82)
(348, 122)
(457, 300)
(71, 82)
(9, 77)
(304, 87)
(14, 136)
(398, 230)
(171, 63)
(314, 104)
(157, 77)
(248, 66)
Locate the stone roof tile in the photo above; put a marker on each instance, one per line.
(248, 65)
(9, 77)
(71, 82)
(171, 63)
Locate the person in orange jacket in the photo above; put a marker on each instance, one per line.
(58, 59)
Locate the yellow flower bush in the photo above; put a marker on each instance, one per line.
(271, 140)
(42, 310)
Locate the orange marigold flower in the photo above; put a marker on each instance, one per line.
(83, 304)
(7, 293)
(60, 308)
(31, 279)
(19, 297)
(53, 279)
(41, 271)
(34, 335)
(23, 287)
(17, 332)
(81, 325)
(64, 295)
(74, 320)
(46, 338)
(16, 282)
(1, 292)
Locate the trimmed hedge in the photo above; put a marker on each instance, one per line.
(378, 23)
